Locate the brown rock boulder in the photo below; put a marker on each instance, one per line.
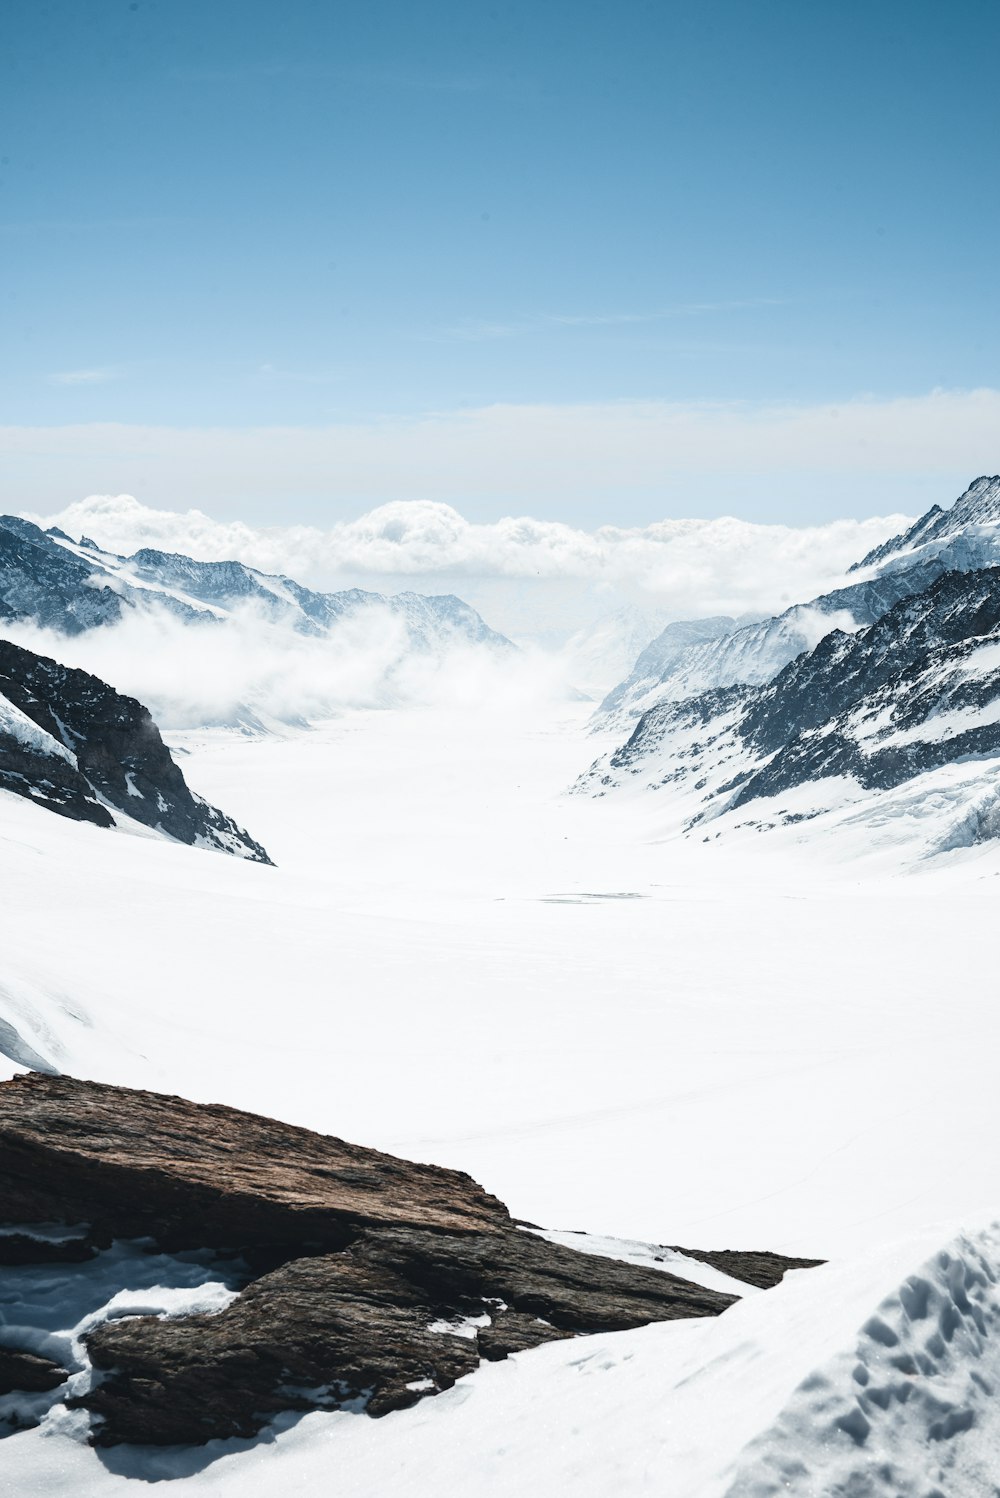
(369, 1281)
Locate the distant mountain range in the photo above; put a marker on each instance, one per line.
(861, 711)
(73, 586)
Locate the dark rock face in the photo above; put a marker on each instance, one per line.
(116, 756)
(399, 1313)
(137, 1164)
(371, 1280)
(753, 1267)
(39, 579)
(27, 1372)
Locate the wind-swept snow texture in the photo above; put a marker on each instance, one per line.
(964, 538)
(910, 1408)
(869, 1378)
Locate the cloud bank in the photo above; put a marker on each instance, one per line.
(260, 675)
(630, 460)
(531, 578)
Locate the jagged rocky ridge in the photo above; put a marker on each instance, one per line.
(367, 1281)
(48, 578)
(916, 690)
(965, 537)
(72, 744)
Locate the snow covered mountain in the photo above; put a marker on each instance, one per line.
(72, 744)
(71, 586)
(862, 712)
(963, 538)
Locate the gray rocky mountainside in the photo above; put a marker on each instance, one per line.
(363, 1281)
(72, 586)
(917, 690)
(73, 745)
(964, 538)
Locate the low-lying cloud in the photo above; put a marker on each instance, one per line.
(257, 674)
(531, 579)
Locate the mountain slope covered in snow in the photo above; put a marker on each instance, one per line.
(70, 586)
(965, 538)
(844, 725)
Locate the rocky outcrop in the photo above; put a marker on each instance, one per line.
(753, 1267)
(368, 1281)
(28, 1373)
(92, 749)
(43, 579)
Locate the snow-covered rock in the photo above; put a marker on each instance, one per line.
(72, 744)
(861, 713)
(73, 586)
(697, 656)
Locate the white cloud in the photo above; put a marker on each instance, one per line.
(530, 578)
(254, 671)
(84, 376)
(632, 460)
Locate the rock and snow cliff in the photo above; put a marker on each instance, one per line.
(698, 656)
(864, 710)
(72, 744)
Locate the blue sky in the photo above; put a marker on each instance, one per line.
(242, 216)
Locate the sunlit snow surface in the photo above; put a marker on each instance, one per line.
(771, 1042)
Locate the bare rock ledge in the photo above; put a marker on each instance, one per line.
(369, 1281)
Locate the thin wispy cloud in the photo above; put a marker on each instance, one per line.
(93, 376)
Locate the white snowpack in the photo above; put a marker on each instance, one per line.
(758, 1043)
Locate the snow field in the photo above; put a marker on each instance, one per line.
(761, 1043)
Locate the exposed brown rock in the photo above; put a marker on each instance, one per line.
(377, 1280)
(28, 1373)
(752, 1266)
(137, 1164)
(380, 1323)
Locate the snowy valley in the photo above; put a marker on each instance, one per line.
(727, 990)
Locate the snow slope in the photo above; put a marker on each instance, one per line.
(911, 702)
(612, 1028)
(761, 1045)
